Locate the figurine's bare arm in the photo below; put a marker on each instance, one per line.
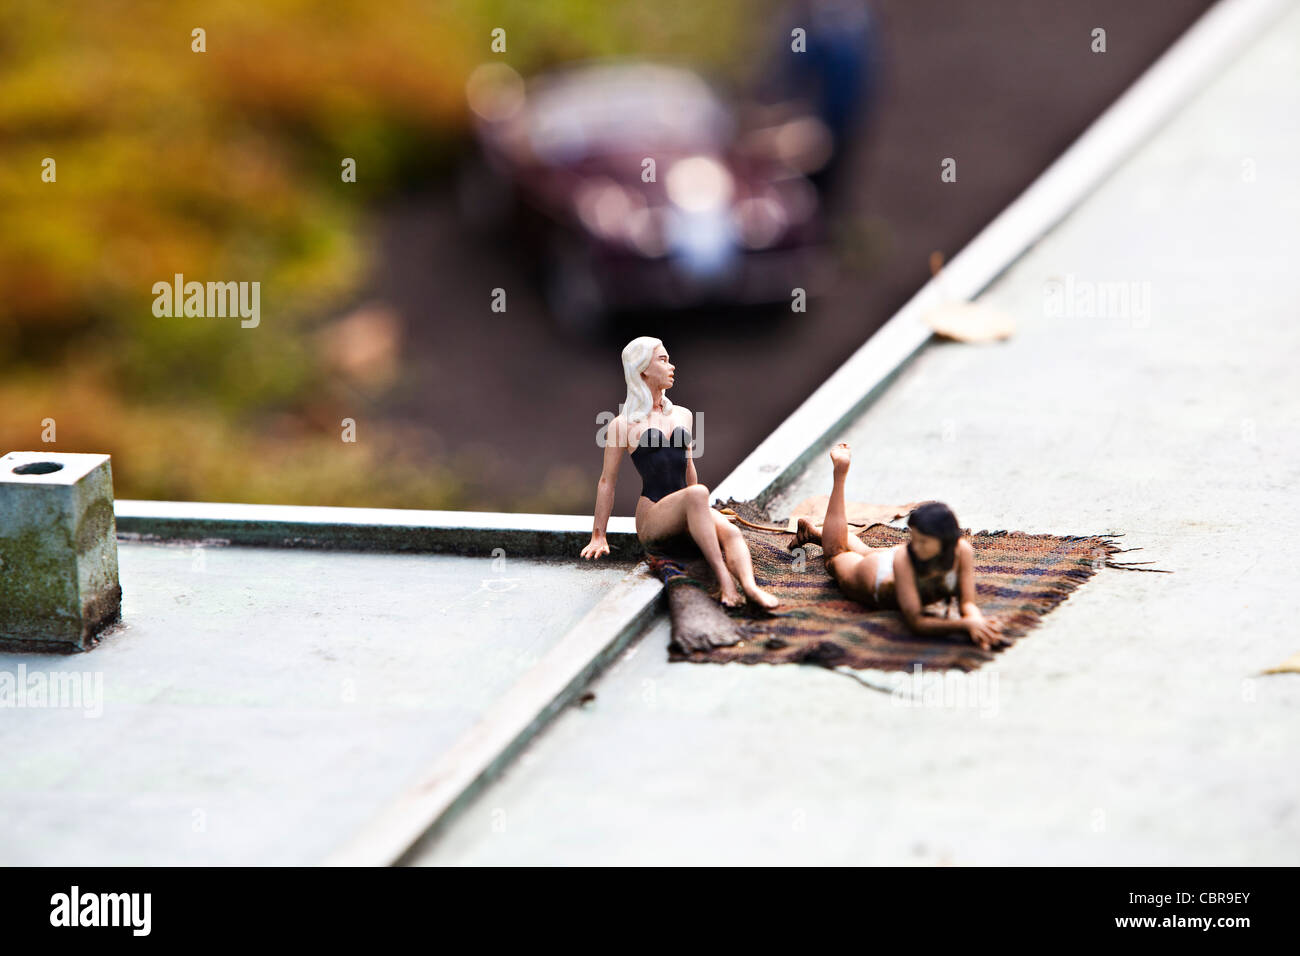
(684, 418)
(981, 631)
(966, 580)
(615, 444)
(909, 602)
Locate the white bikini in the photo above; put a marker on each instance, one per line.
(885, 572)
(884, 569)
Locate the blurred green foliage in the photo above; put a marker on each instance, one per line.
(225, 165)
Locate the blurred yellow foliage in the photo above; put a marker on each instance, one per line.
(224, 165)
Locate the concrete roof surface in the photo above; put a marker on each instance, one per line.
(257, 705)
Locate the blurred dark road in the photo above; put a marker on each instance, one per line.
(1002, 86)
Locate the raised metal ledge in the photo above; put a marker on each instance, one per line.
(369, 529)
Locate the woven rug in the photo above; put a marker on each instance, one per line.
(1018, 578)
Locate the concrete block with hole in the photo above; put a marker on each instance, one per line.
(58, 551)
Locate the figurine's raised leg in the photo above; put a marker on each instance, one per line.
(848, 565)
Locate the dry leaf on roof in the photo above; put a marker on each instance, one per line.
(1289, 666)
(970, 322)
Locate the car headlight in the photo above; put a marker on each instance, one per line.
(699, 183)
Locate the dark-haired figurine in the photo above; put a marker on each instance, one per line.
(937, 563)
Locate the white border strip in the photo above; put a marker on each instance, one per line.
(141, 510)
(387, 530)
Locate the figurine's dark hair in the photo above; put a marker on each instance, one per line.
(937, 520)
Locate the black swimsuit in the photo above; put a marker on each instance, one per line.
(661, 463)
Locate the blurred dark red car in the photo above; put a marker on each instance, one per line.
(642, 190)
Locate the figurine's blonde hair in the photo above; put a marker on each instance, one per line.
(636, 359)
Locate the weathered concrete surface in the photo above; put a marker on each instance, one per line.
(257, 706)
(58, 554)
(439, 790)
(1132, 727)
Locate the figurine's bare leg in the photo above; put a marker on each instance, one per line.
(851, 570)
(807, 531)
(835, 526)
(736, 553)
(688, 510)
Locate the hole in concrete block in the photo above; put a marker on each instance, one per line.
(37, 468)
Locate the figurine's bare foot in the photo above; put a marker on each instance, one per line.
(730, 596)
(840, 455)
(763, 598)
(803, 533)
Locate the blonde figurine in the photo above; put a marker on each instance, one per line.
(656, 434)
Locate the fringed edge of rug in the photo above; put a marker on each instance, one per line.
(1106, 540)
(1021, 622)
